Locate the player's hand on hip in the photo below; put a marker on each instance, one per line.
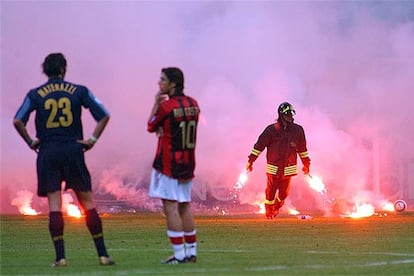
(34, 145)
(87, 144)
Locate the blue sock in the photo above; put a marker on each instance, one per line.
(56, 225)
(94, 223)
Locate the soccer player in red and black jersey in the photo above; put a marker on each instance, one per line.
(60, 146)
(174, 117)
(284, 141)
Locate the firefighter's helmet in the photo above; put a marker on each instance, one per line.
(285, 108)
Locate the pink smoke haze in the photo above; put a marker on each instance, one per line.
(347, 67)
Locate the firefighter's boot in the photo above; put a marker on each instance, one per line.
(269, 211)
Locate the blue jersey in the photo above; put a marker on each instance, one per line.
(58, 106)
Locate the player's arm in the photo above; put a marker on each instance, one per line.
(159, 98)
(99, 128)
(20, 120)
(21, 129)
(99, 113)
(157, 114)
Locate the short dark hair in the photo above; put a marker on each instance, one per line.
(175, 75)
(54, 64)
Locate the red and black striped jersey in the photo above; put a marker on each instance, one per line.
(176, 122)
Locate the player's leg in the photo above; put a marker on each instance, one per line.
(190, 237)
(56, 226)
(49, 178)
(270, 195)
(167, 188)
(78, 179)
(94, 224)
(175, 231)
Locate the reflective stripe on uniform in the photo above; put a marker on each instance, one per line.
(290, 170)
(256, 152)
(271, 169)
(270, 202)
(303, 154)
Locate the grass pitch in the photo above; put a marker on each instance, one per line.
(227, 245)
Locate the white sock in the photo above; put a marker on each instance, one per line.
(190, 243)
(177, 242)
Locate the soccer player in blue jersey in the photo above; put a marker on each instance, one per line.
(174, 117)
(60, 148)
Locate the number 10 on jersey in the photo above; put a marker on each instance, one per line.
(188, 133)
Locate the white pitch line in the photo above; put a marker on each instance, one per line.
(195, 270)
(402, 262)
(267, 268)
(323, 266)
(163, 250)
(361, 253)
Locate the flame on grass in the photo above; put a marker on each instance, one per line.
(292, 211)
(260, 204)
(71, 209)
(23, 202)
(362, 210)
(388, 206)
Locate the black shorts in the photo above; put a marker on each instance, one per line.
(58, 162)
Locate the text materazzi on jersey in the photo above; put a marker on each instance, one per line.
(55, 87)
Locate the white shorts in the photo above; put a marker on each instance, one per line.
(165, 187)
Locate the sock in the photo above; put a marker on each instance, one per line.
(190, 239)
(94, 223)
(176, 239)
(56, 226)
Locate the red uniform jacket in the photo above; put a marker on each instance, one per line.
(283, 145)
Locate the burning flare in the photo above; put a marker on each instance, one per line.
(362, 210)
(292, 211)
(316, 183)
(71, 209)
(241, 181)
(23, 202)
(261, 206)
(388, 206)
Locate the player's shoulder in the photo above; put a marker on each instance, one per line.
(37, 88)
(79, 87)
(191, 99)
(177, 101)
(81, 90)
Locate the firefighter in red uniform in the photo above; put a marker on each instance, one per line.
(284, 140)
